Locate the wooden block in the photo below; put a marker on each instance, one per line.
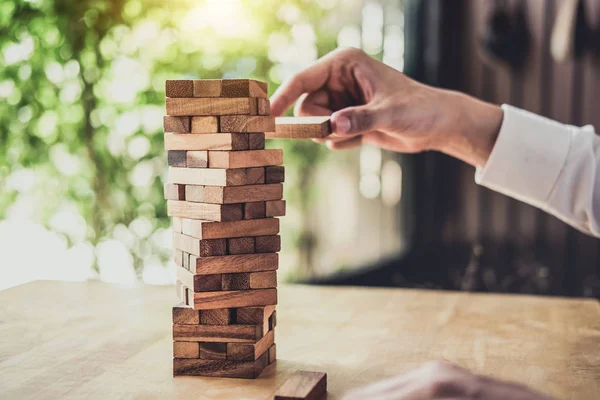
(234, 264)
(256, 141)
(199, 283)
(217, 333)
(204, 106)
(186, 261)
(272, 353)
(219, 368)
(233, 194)
(274, 174)
(197, 159)
(241, 245)
(303, 385)
(216, 317)
(210, 212)
(176, 224)
(173, 191)
(178, 257)
(207, 141)
(213, 351)
(300, 128)
(235, 299)
(245, 123)
(217, 177)
(177, 158)
(268, 244)
(254, 210)
(177, 124)
(179, 88)
(216, 230)
(275, 208)
(273, 320)
(207, 88)
(186, 350)
(247, 352)
(255, 316)
(263, 280)
(264, 107)
(206, 124)
(188, 297)
(244, 159)
(185, 316)
(199, 247)
(243, 88)
(235, 281)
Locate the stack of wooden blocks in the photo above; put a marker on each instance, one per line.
(223, 192)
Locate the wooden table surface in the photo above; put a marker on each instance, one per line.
(94, 340)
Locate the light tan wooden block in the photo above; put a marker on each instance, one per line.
(241, 245)
(177, 158)
(235, 299)
(197, 159)
(255, 210)
(209, 212)
(267, 244)
(239, 281)
(243, 88)
(213, 351)
(184, 315)
(263, 280)
(216, 230)
(272, 353)
(205, 106)
(199, 283)
(245, 159)
(207, 88)
(245, 123)
(176, 224)
(208, 141)
(206, 124)
(186, 261)
(234, 264)
(233, 194)
(186, 350)
(217, 177)
(300, 128)
(177, 124)
(256, 141)
(219, 368)
(221, 316)
(264, 107)
(217, 333)
(179, 88)
(247, 351)
(275, 208)
(173, 191)
(303, 385)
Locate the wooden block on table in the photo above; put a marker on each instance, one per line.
(256, 141)
(239, 281)
(204, 106)
(178, 257)
(217, 177)
(267, 244)
(220, 368)
(207, 88)
(217, 333)
(199, 247)
(185, 315)
(275, 208)
(186, 260)
(173, 191)
(247, 351)
(272, 353)
(220, 316)
(176, 224)
(199, 283)
(186, 350)
(254, 210)
(303, 385)
(233, 194)
(179, 88)
(177, 158)
(263, 280)
(205, 124)
(241, 245)
(216, 230)
(243, 88)
(300, 128)
(264, 107)
(235, 299)
(207, 141)
(274, 174)
(213, 351)
(245, 159)
(210, 212)
(245, 123)
(234, 264)
(273, 320)
(197, 159)
(177, 124)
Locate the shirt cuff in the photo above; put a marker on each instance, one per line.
(528, 157)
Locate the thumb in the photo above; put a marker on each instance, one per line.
(355, 120)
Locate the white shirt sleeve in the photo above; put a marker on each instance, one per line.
(549, 165)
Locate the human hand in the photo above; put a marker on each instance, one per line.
(437, 380)
(370, 102)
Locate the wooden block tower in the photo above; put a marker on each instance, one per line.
(224, 191)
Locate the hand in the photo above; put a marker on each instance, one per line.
(437, 380)
(370, 102)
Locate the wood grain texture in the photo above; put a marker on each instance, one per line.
(199, 247)
(86, 334)
(207, 141)
(173, 191)
(209, 212)
(254, 210)
(246, 123)
(196, 159)
(207, 88)
(220, 316)
(274, 174)
(235, 263)
(245, 159)
(213, 351)
(205, 106)
(217, 177)
(177, 158)
(217, 230)
(249, 352)
(206, 124)
(300, 128)
(272, 353)
(275, 208)
(185, 315)
(186, 350)
(234, 299)
(241, 245)
(256, 141)
(303, 385)
(243, 88)
(178, 257)
(235, 281)
(233, 194)
(268, 244)
(217, 333)
(264, 107)
(219, 368)
(179, 88)
(199, 283)
(176, 224)
(176, 124)
(263, 280)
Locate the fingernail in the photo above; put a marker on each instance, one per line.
(342, 125)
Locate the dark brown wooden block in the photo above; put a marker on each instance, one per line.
(239, 281)
(177, 158)
(179, 88)
(217, 333)
(255, 316)
(198, 283)
(213, 351)
(303, 385)
(199, 247)
(176, 124)
(205, 106)
(267, 244)
(215, 230)
(207, 88)
(197, 159)
(275, 174)
(234, 264)
(243, 88)
(220, 368)
(215, 317)
(275, 208)
(235, 299)
(243, 245)
(263, 280)
(255, 210)
(246, 123)
(250, 351)
(185, 315)
(256, 141)
(210, 212)
(186, 350)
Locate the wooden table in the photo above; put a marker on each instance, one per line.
(94, 340)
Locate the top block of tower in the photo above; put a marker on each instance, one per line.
(216, 88)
